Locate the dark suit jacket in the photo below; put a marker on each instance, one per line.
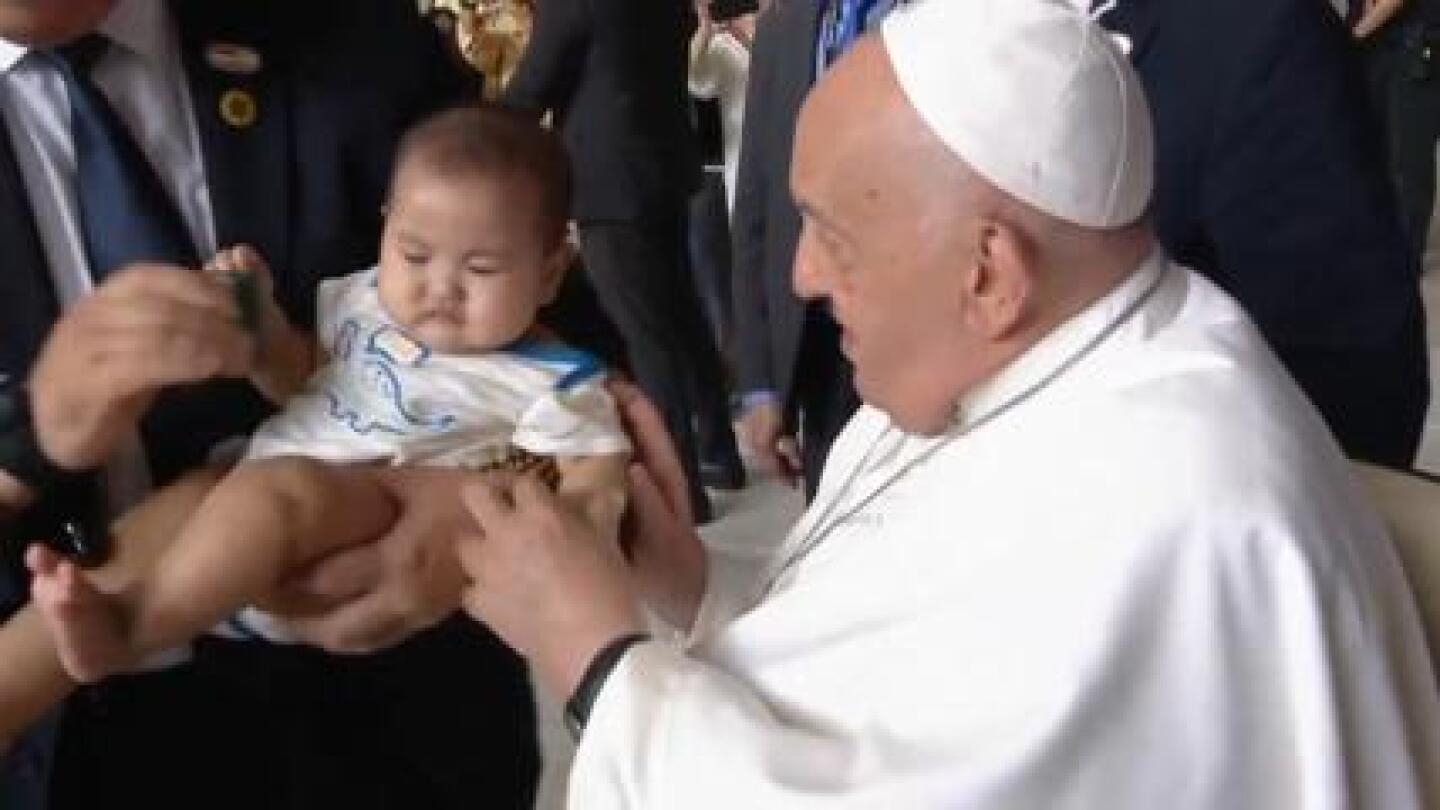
(613, 73)
(305, 184)
(1270, 180)
(766, 223)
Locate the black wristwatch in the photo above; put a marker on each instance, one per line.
(577, 708)
(20, 452)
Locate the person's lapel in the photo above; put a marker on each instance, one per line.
(1137, 21)
(27, 297)
(242, 93)
(803, 24)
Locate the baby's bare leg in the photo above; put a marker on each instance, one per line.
(33, 678)
(87, 626)
(265, 519)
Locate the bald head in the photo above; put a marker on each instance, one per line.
(860, 118)
(861, 151)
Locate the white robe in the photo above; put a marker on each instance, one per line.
(1136, 573)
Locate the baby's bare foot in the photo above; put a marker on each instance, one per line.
(85, 624)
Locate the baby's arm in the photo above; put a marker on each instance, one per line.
(287, 355)
(596, 485)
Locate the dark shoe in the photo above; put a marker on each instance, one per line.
(728, 476)
(703, 510)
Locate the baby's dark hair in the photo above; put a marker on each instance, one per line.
(496, 143)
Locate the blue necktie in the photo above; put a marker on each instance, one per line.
(125, 213)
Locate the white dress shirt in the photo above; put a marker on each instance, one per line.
(142, 77)
(720, 69)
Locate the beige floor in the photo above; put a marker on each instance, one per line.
(1429, 458)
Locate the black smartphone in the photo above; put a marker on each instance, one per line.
(725, 10)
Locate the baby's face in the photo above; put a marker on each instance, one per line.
(462, 265)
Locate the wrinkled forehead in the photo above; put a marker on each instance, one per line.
(843, 124)
(859, 137)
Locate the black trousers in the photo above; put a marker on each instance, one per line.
(710, 256)
(1403, 63)
(640, 271)
(1373, 398)
(445, 720)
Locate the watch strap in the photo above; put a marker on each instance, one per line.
(578, 707)
(20, 453)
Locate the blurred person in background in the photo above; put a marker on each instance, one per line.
(1398, 39)
(612, 74)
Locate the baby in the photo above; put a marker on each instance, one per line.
(432, 358)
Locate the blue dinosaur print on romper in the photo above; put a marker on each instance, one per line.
(379, 371)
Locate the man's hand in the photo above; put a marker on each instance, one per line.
(377, 594)
(743, 29)
(543, 581)
(148, 326)
(762, 427)
(1375, 15)
(658, 536)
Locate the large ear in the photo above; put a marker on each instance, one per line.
(1001, 284)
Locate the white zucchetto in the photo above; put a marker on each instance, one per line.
(1035, 98)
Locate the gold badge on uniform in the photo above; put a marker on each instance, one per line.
(238, 108)
(229, 57)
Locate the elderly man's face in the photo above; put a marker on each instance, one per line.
(879, 243)
(50, 22)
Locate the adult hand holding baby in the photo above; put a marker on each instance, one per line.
(375, 595)
(556, 591)
(543, 581)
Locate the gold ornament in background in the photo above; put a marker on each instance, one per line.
(492, 35)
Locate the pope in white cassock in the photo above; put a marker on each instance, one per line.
(1086, 546)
